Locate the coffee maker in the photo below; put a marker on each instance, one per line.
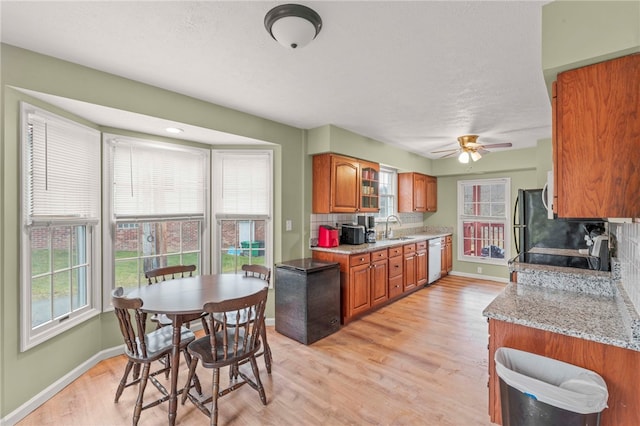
(369, 223)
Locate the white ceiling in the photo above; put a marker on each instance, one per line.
(415, 74)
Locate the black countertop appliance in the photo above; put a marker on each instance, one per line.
(307, 299)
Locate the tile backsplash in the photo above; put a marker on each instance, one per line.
(627, 249)
(412, 223)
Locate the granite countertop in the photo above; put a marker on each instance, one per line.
(380, 244)
(598, 318)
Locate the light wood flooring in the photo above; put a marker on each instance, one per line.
(419, 361)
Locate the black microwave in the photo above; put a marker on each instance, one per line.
(352, 234)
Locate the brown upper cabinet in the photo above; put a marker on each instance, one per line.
(596, 134)
(417, 193)
(345, 185)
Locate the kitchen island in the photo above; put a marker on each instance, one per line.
(577, 316)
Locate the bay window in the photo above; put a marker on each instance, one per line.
(158, 197)
(243, 208)
(60, 242)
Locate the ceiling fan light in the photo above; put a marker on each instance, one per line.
(293, 25)
(463, 157)
(475, 156)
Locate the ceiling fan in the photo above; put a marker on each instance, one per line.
(469, 148)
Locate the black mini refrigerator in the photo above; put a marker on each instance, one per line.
(307, 299)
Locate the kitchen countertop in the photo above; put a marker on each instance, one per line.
(380, 244)
(598, 318)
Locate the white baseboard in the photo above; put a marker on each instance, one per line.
(479, 276)
(47, 393)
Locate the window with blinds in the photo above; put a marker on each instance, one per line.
(158, 200)
(60, 216)
(242, 203)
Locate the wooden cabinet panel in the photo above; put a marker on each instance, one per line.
(446, 255)
(421, 263)
(409, 267)
(395, 251)
(432, 194)
(344, 185)
(395, 266)
(359, 289)
(620, 368)
(379, 282)
(417, 192)
(596, 126)
(395, 286)
(396, 271)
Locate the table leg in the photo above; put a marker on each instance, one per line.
(175, 363)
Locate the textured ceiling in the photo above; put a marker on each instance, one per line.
(415, 74)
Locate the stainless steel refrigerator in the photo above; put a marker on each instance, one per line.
(533, 229)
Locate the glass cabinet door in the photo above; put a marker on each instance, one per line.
(369, 189)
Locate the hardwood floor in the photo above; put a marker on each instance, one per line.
(421, 360)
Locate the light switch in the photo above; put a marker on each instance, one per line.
(288, 225)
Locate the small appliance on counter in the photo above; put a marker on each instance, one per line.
(328, 236)
(600, 249)
(371, 229)
(352, 234)
(369, 223)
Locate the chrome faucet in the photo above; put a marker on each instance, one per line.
(388, 234)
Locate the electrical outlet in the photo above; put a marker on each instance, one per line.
(288, 225)
(479, 269)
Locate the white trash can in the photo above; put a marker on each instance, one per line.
(540, 391)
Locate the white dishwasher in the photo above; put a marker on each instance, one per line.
(435, 254)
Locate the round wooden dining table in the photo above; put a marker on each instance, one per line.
(182, 300)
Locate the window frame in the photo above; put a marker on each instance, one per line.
(380, 217)
(505, 221)
(217, 209)
(31, 336)
(111, 222)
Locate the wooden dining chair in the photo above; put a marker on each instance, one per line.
(143, 349)
(264, 273)
(233, 343)
(165, 273)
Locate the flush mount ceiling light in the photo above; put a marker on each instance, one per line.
(293, 25)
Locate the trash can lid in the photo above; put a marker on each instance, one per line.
(551, 381)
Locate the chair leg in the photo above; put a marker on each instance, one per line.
(192, 369)
(215, 390)
(123, 381)
(256, 374)
(267, 349)
(196, 381)
(143, 384)
(205, 326)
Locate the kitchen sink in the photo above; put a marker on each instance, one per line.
(397, 239)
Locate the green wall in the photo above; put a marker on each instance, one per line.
(24, 375)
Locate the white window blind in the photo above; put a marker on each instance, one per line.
(157, 180)
(243, 184)
(63, 182)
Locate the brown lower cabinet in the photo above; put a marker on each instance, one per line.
(396, 268)
(619, 367)
(446, 255)
(372, 279)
